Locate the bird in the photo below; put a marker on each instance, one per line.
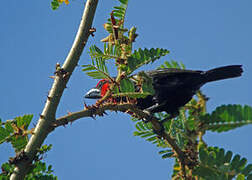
(173, 87)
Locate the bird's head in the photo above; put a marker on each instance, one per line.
(99, 90)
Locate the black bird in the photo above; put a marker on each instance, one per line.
(173, 87)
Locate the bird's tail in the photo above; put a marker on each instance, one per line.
(224, 72)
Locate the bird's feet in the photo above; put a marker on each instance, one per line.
(158, 127)
(150, 116)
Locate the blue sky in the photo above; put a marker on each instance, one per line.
(200, 34)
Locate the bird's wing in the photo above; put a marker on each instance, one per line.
(175, 78)
(171, 72)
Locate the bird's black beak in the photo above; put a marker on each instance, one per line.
(93, 93)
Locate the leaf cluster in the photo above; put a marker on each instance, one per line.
(118, 47)
(38, 170)
(16, 131)
(215, 163)
(227, 117)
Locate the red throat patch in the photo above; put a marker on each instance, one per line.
(103, 85)
(104, 88)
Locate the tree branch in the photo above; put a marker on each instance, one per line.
(100, 110)
(43, 127)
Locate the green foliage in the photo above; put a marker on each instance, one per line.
(98, 68)
(172, 64)
(227, 117)
(118, 12)
(144, 130)
(216, 164)
(38, 170)
(128, 87)
(55, 4)
(141, 57)
(110, 52)
(168, 153)
(16, 131)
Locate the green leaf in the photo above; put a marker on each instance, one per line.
(7, 167)
(168, 155)
(55, 4)
(19, 143)
(247, 170)
(211, 158)
(127, 85)
(203, 155)
(88, 68)
(164, 151)
(3, 134)
(110, 52)
(215, 163)
(125, 2)
(24, 120)
(141, 126)
(220, 157)
(241, 164)
(97, 50)
(172, 64)
(228, 157)
(141, 57)
(206, 172)
(8, 126)
(235, 161)
(147, 86)
(96, 75)
(240, 177)
(227, 117)
(152, 138)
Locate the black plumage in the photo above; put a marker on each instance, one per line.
(174, 87)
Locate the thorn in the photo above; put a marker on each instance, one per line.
(68, 112)
(52, 77)
(53, 125)
(41, 116)
(49, 98)
(65, 75)
(57, 66)
(93, 117)
(85, 105)
(91, 31)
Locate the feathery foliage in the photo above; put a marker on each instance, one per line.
(227, 117)
(141, 57)
(215, 163)
(16, 131)
(38, 170)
